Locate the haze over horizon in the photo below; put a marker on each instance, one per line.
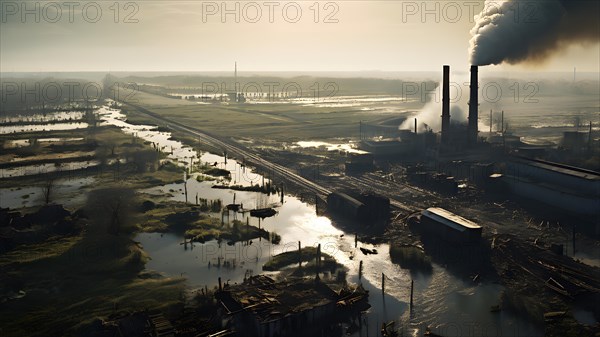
(185, 36)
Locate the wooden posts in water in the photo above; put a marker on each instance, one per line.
(220, 287)
(185, 186)
(282, 193)
(412, 286)
(318, 261)
(382, 284)
(360, 270)
(196, 198)
(355, 240)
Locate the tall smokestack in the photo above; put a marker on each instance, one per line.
(446, 104)
(473, 107)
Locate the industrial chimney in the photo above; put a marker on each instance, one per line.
(473, 107)
(446, 104)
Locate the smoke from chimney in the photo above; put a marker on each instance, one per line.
(429, 116)
(514, 31)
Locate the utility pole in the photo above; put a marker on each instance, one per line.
(412, 286)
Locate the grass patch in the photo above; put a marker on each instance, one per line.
(77, 280)
(200, 178)
(217, 172)
(50, 248)
(309, 254)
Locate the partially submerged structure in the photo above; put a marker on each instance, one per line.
(449, 226)
(366, 207)
(263, 307)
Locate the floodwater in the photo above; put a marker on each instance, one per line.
(175, 149)
(26, 142)
(441, 301)
(48, 117)
(5, 129)
(66, 191)
(447, 304)
(27, 170)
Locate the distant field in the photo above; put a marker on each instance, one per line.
(276, 121)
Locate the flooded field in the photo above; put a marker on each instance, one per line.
(67, 191)
(449, 305)
(6, 129)
(443, 302)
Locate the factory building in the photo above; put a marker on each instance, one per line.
(452, 138)
(359, 162)
(577, 141)
(566, 187)
(449, 226)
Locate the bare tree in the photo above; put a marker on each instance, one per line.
(112, 209)
(48, 188)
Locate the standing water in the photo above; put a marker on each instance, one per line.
(442, 301)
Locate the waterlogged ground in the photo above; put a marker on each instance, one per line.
(66, 191)
(441, 300)
(449, 305)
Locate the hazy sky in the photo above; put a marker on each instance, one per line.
(190, 35)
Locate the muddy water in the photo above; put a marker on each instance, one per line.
(46, 168)
(48, 117)
(5, 129)
(66, 191)
(447, 304)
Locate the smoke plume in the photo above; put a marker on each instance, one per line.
(429, 117)
(514, 31)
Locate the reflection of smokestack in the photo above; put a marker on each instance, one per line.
(473, 107)
(446, 104)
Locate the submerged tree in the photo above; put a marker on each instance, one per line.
(48, 187)
(112, 209)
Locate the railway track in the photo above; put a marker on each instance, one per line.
(238, 151)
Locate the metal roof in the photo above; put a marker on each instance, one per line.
(449, 219)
